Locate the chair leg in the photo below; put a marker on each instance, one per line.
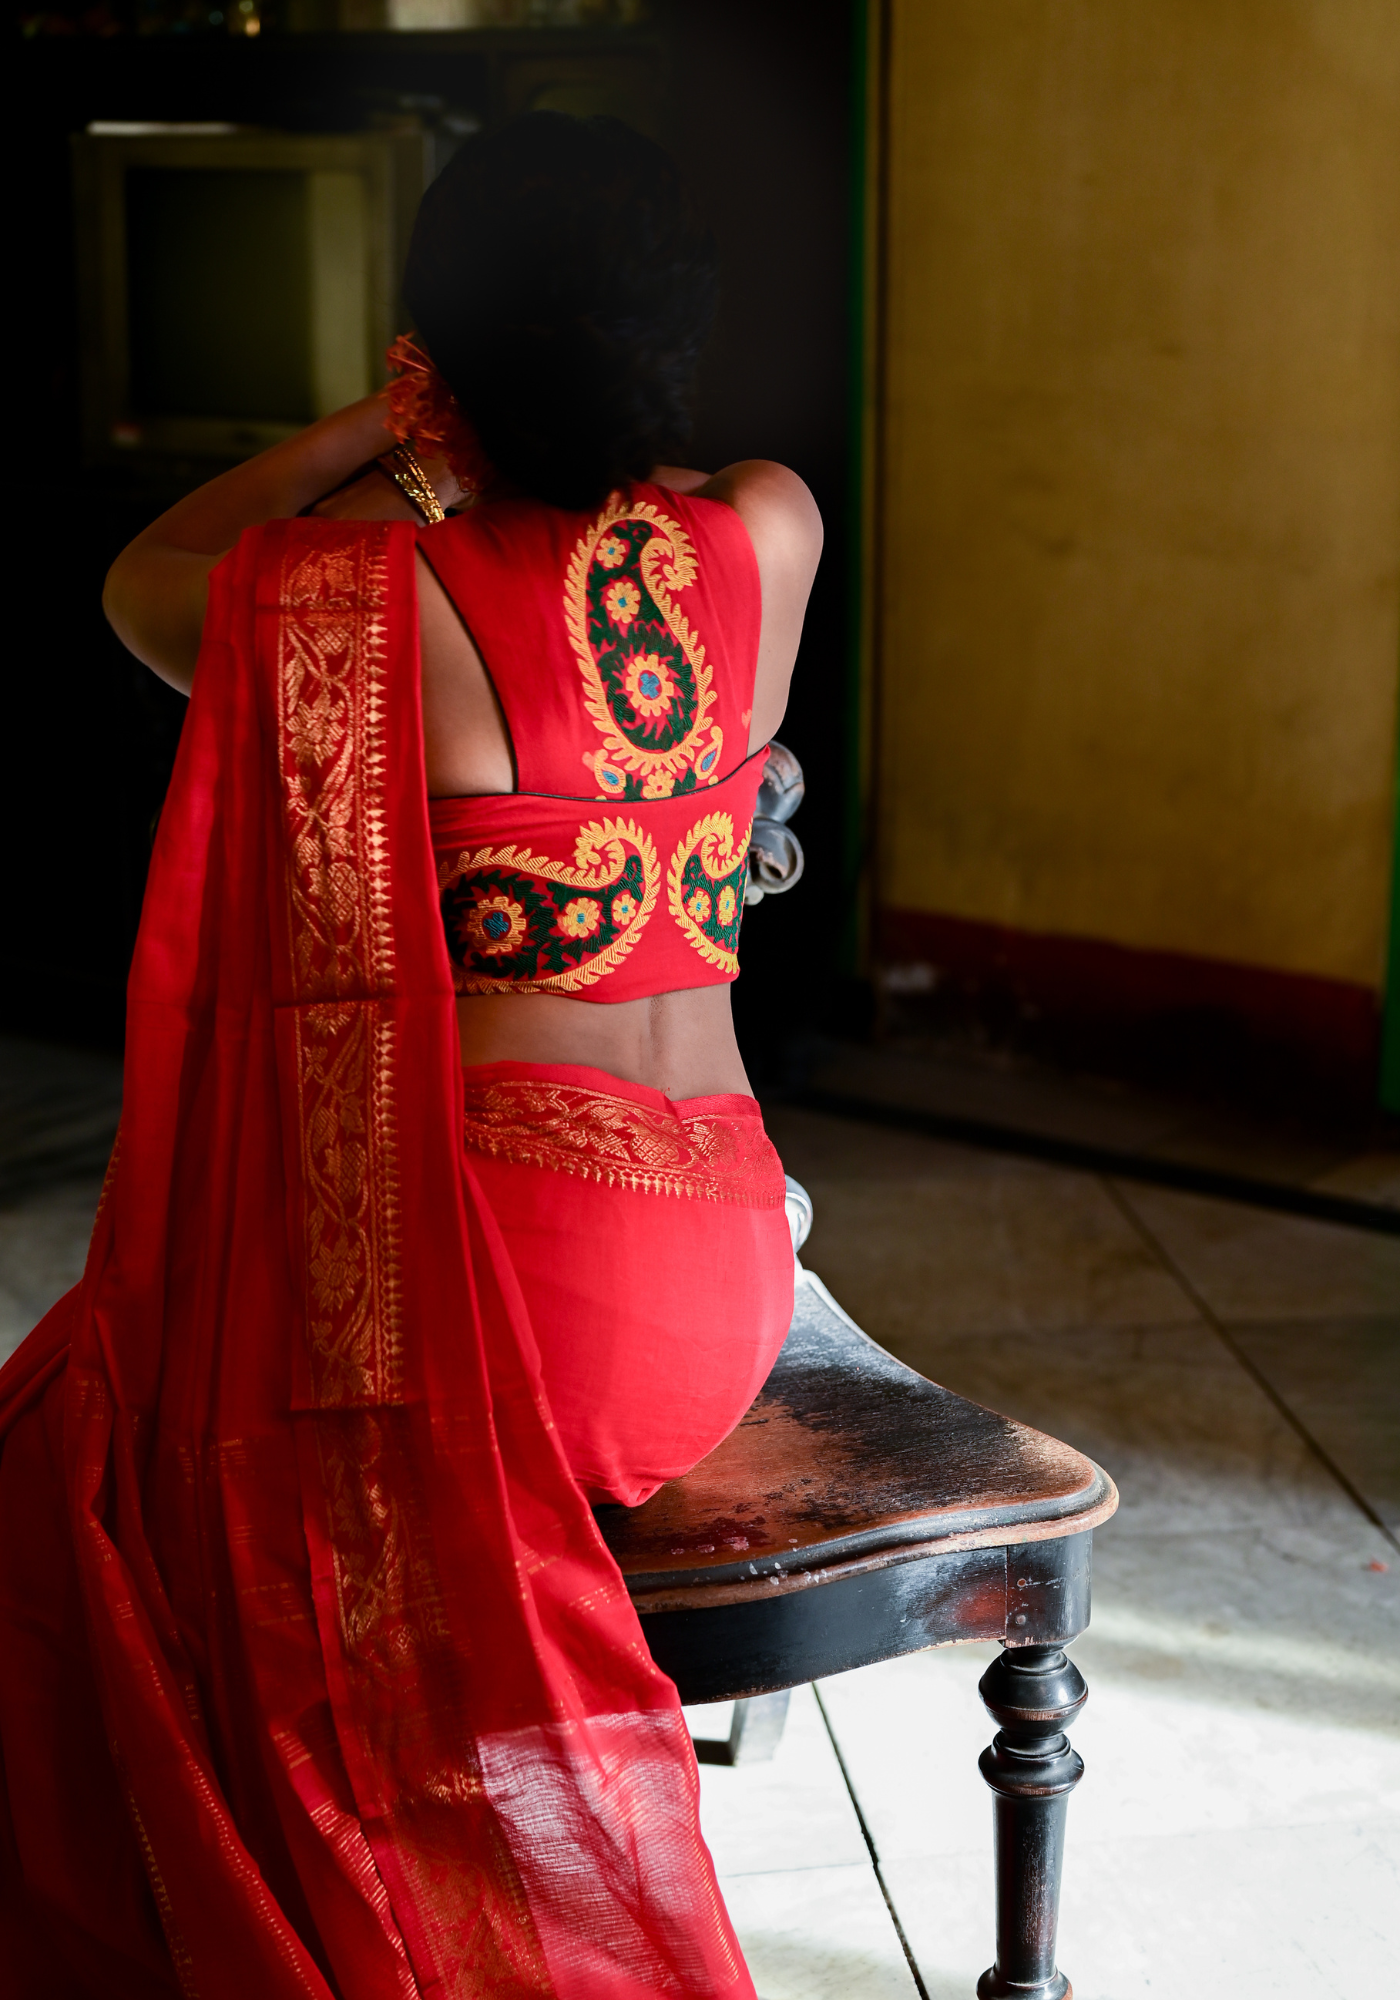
(1032, 1692)
(754, 1733)
(757, 1727)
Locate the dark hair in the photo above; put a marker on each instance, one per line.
(564, 288)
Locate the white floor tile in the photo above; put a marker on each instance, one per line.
(43, 1247)
(819, 1934)
(1028, 1250)
(1156, 1763)
(911, 1732)
(1253, 1265)
(792, 1813)
(1297, 1913)
(1294, 1620)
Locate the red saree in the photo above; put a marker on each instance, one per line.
(302, 1602)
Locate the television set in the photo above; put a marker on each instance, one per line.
(234, 284)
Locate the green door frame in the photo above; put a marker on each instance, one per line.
(870, 31)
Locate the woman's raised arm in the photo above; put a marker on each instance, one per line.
(158, 587)
(786, 531)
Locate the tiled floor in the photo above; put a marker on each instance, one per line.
(43, 1241)
(1238, 1829)
(991, 1087)
(58, 1117)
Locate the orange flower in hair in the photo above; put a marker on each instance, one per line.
(423, 409)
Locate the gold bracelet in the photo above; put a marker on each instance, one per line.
(403, 466)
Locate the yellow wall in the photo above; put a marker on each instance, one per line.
(1142, 472)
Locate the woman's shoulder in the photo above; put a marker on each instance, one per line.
(750, 485)
(774, 503)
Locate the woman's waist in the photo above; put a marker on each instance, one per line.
(483, 1080)
(671, 1047)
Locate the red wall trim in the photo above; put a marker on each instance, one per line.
(1330, 1025)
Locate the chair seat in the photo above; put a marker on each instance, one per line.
(859, 1512)
(896, 1498)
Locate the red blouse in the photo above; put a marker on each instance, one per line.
(623, 648)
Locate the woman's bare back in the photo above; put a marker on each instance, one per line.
(681, 1043)
(157, 593)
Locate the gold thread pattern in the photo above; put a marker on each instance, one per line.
(705, 889)
(180, 1956)
(331, 691)
(589, 1133)
(331, 663)
(396, 1633)
(380, 1541)
(647, 685)
(548, 943)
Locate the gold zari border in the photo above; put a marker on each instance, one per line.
(574, 1130)
(332, 648)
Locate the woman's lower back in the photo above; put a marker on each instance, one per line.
(681, 1044)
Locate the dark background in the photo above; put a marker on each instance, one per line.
(755, 99)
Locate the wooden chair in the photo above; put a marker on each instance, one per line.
(860, 1512)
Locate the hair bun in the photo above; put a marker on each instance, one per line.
(565, 289)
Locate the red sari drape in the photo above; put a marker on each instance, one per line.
(373, 1694)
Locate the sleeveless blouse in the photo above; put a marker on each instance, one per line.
(622, 646)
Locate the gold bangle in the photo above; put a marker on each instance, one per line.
(403, 466)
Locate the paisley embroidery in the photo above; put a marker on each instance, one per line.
(646, 683)
(705, 889)
(518, 922)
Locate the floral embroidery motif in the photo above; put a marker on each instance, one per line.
(705, 889)
(650, 685)
(646, 683)
(494, 924)
(574, 1130)
(515, 921)
(582, 917)
(622, 601)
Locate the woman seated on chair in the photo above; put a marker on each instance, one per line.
(441, 1206)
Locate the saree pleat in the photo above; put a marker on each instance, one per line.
(376, 1705)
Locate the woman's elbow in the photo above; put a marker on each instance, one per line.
(144, 609)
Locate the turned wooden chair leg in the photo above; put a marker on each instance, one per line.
(1032, 1692)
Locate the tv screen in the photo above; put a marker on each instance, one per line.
(219, 294)
(235, 285)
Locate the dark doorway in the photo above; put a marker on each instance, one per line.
(754, 97)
